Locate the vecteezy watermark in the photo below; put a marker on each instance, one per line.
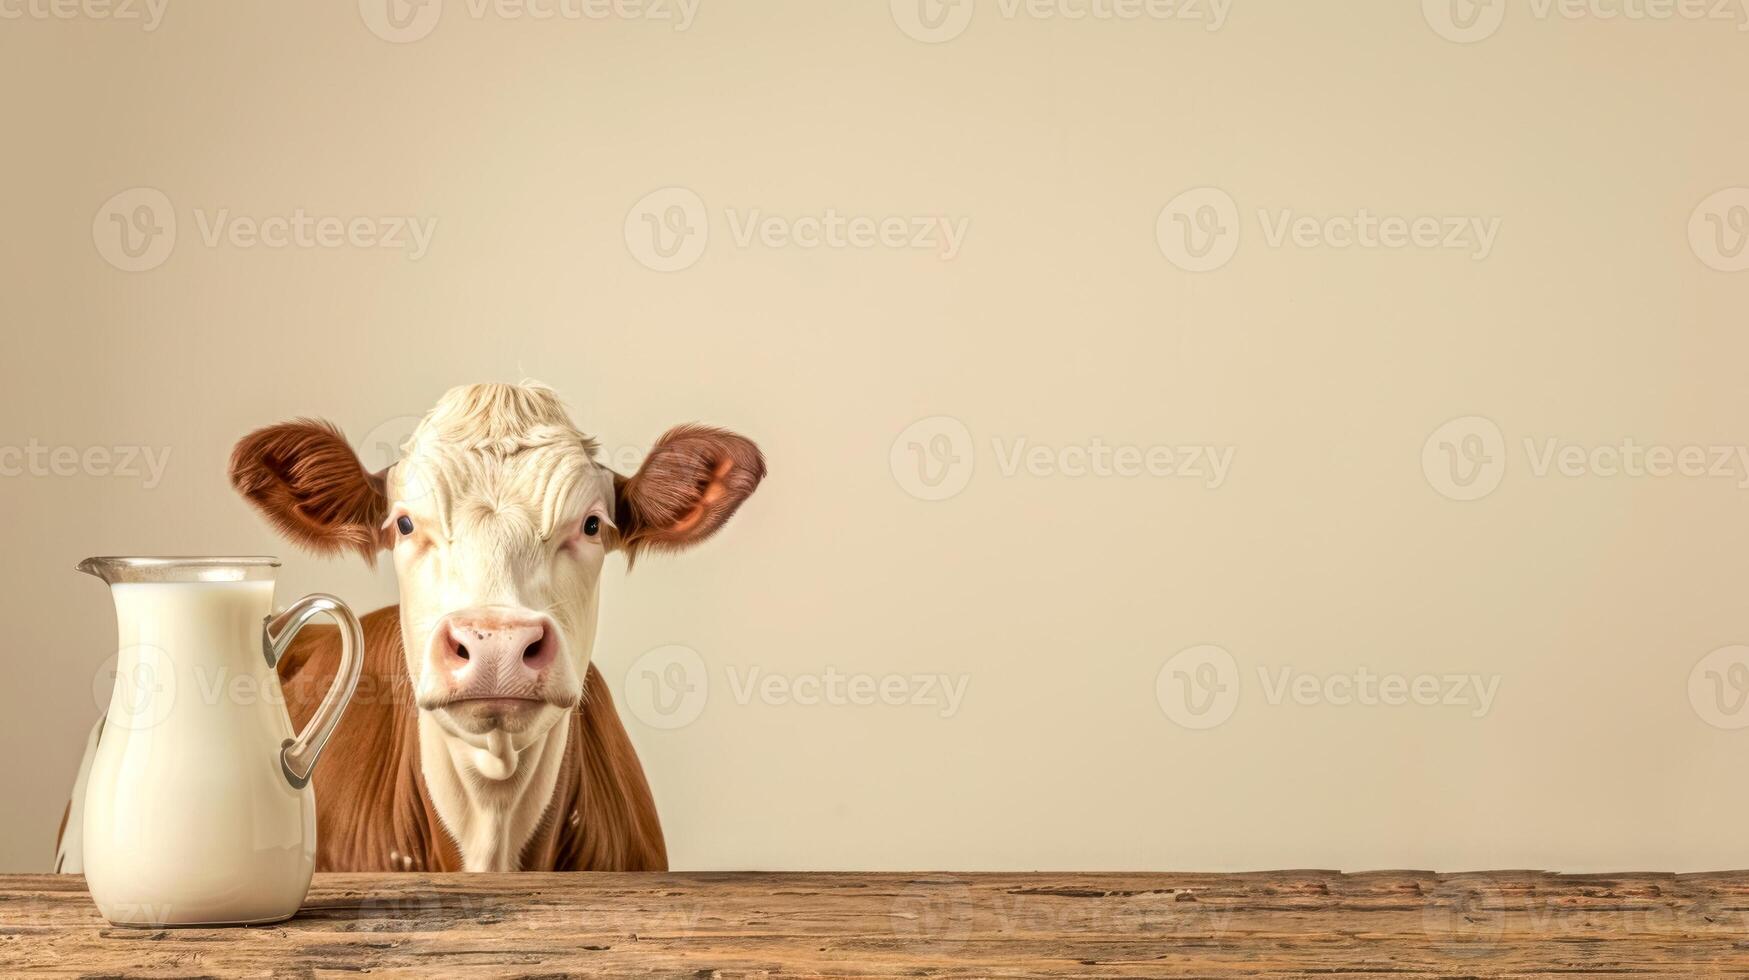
(936, 21)
(140, 685)
(1016, 456)
(1466, 458)
(834, 688)
(419, 909)
(1718, 230)
(1284, 685)
(1472, 914)
(670, 686)
(384, 446)
(146, 13)
(33, 459)
(405, 21)
(136, 230)
(1469, 21)
(933, 913)
(1466, 916)
(943, 911)
(668, 230)
(667, 687)
(1199, 230)
(1718, 687)
(139, 913)
(622, 458)
(1199, 688)
(934, 458)
(136, 687)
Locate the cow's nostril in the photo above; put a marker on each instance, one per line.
(461, 651)
(533, 650)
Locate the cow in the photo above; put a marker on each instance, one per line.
(481, 737)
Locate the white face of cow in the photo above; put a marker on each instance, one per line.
(499, 520)
(499, 529)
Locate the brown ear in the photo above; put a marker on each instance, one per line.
(690, 484)
(306, 480)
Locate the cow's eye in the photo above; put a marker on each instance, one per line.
(404, 524)
(592, 525)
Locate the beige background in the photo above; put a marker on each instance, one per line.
(1589, 599)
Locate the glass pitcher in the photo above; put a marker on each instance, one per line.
(198, 806)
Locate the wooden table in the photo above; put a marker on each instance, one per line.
(1281, 924)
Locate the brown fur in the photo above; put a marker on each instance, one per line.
(306, 480)
(373, 812)
(691, 483)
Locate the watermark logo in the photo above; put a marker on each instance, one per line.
(135, 230)
(1367, 688)
(299, 229)
(838, 689)
(938, 913)
(1465, 916)
(1718, 230)
(386, 442)
(668, 687)
(147, 13)
(136, 687)
(1718, 687)
(1464, 21)
(936, 21)
(1198, 230)
(153, 914)
(1198, 687)
(401, 21)
(1465, 459)
(668, 229)
(933, 459)
(623, 457)
(1097, 458)
(385, 445)
(1470, 21)
(833, 229)
(415, 909)
(33, 459)
(405, 21)
(944, 911)
(932, 21)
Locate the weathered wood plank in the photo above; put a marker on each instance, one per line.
(1279, 924)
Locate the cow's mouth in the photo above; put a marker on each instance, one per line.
(496, 703)
(493, 712)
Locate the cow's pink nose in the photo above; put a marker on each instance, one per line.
(496, 642)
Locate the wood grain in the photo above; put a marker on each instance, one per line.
(1278, 924)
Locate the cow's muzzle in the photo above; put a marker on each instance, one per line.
(495, 660)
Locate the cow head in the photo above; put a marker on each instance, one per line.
(499, 519)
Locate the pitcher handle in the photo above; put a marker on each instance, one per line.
(297, 756)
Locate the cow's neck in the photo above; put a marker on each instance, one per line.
(491, 800)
